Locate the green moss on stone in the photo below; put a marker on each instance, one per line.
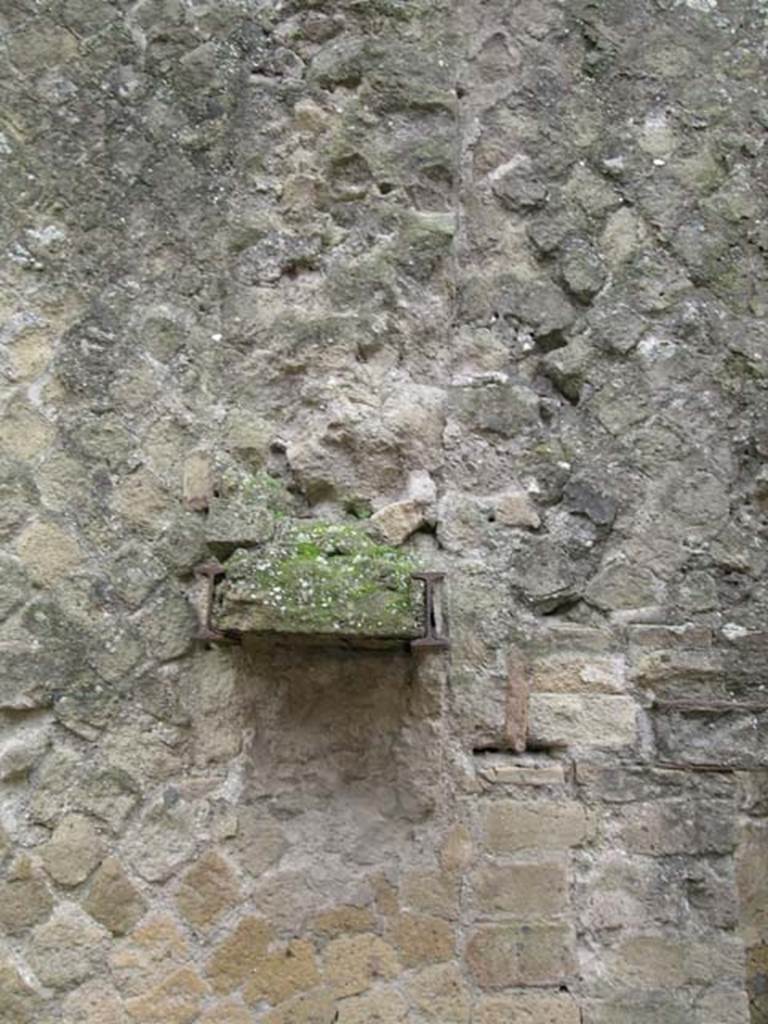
(322, 579)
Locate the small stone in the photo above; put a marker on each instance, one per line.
(396, 522)
(278, 976)
(517, 188)
(238, 955)
(68, 948)
(113, 900)
(521, 954)
(583, 270)
(528, 1008)
(421, 488)
(227, 1013)
(583, 499)
(48, 552)
(176, 999)
(73, 851)
(355, 962)
(422, 939)
(152, 951)
(430, 892)
(96, 1002)
(456, 851)
(23, 749)
(207, 891)
(24, 899)
(248, 437)
(142, 501)
(342, 920)
(19, 1003)
(440, 994)
(316, 1007)
(525, 890)
(197, 481)
(515, 508)
(379, 1007)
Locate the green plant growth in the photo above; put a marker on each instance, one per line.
(321, 579)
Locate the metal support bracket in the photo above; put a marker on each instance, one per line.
(431, 636)
(209, 572)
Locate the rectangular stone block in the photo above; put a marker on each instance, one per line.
(656, 637)
(534, 825)
(577, 720)
(522, 890)
(678, 826)
(504, 956)
(323, 580)
(527, 1008)
(573, 673)
(523, 775)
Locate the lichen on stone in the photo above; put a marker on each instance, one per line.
(320, 578)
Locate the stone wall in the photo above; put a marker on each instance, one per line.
(498, 264)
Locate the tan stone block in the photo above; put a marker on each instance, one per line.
(197, 480)
(515, 508)
(24, 901)
(386, 896)
(650, 961)
(538, 825)
(235, 958)
(177, 999)
(521, 954)
(316, 1007)
(577, 720)
(149, 953)
(31, 352)
(439, 994)
(661, 961)
(396, 522)
(96, 1002)
(141, 500)
(227, 1013)
(522, 775)
(73, 851)
(355, 962)
(207, 890)
(527, 1008)
(586, 673)
(48, 552)
(260, 840)
(380, 1006)
(278, 976)
(69, 948)
(431, 892)
(113, 899)
(24, 433)
(525, 890)
(19, 1002)
(457, 850)
(342, 920)
(422, 939)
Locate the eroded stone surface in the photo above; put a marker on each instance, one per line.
(497, 271)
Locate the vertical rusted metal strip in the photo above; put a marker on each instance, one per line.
(518, 688)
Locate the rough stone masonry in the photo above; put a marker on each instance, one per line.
(487, 276)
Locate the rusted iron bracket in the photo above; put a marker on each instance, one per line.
(431, 636)
(209, 572)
